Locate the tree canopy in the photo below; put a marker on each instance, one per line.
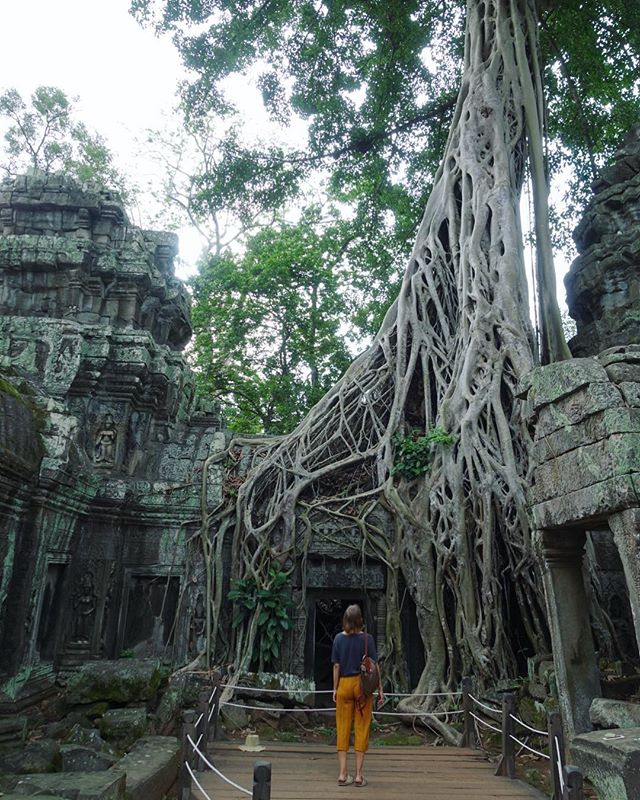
(44, 134)
(419, 456)
(375, 84)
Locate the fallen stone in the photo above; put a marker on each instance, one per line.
(84, 759)
(151, 767)
(614, 713)
(106, 785)
(611, 761)
(125, 680)
(234, 717)
(124, 724)
(13, 730)
(34, 757)
(87, 738)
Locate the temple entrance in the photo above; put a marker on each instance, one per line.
(325, 616)
(51, 611)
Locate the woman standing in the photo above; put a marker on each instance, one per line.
(351, 707)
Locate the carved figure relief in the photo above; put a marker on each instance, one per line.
(198, 625)
(105, 442)
(84, 609)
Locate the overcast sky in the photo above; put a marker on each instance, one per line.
(124, 76)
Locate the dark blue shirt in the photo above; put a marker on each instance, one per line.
(348, 649)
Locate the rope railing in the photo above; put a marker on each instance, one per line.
(331, 710)
(567, 781)
(306, 692)
(198, 728)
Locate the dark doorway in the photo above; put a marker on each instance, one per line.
(328, 614)
(51, 611)
(151, 610)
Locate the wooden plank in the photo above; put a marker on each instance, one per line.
(309, 772)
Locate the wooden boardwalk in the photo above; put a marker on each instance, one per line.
(309, 772)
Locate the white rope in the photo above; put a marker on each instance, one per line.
(528, 727)
(279, 691)
(196, 781)
(559, 764)
(213, 708)
(332, 710)
(420, 713)
(213, 769)
(482, 705)
(213, 694)
(199, 720)
(427, 694)
(526, 747)
(199, 740)
(278, 710)
(482, 722)
(330, 691)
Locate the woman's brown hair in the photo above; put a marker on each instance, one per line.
(352, 620)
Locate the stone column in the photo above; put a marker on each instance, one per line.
(626, 535)
(574, 654)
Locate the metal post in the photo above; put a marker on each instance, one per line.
(573, 784)
(188, 729)
(469, 733)
(261, 781)
(507, 763)
(556, 752)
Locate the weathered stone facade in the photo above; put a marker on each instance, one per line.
(603, 284)
(101, 442)
(585, 416)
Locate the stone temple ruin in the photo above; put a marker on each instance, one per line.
(101, 441)
(102, 447)
(585, 414)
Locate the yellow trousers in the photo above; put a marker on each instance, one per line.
(348, 714)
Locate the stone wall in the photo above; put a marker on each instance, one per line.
(101, 442)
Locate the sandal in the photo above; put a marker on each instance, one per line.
(363, 782)
(346, 782)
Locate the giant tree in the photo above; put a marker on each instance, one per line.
(448, 357)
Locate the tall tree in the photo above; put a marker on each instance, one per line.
(376, 83)
(454, 344)
(44, 134)
(267, 324)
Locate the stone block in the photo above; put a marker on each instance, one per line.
(555, 381)
(234, 717)
(589, 505)
(106, 785)
(35, 757)
(76, 758)
(151, 767)
(614, 713)
(592, 429)
(83, 737)
(125, 680)
(124, 724)
(577, 407)
(617, 455)
(611, 761)
(631, 393)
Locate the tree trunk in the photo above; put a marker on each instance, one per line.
(450, 353)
